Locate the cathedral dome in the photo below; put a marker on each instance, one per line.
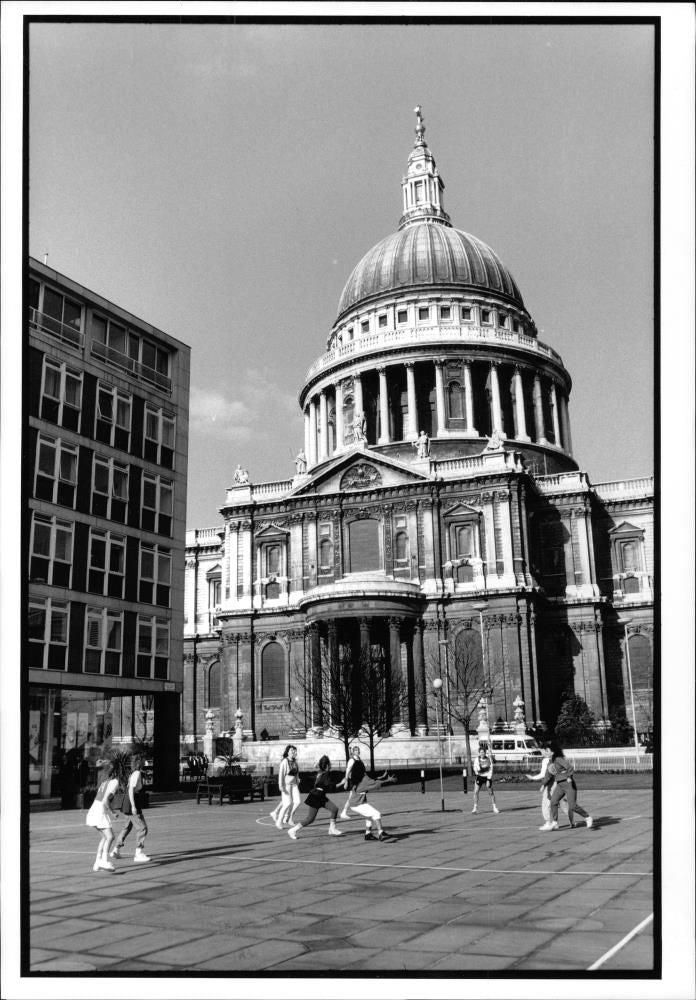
(424, 253)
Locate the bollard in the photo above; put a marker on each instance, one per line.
(423, 782)
(465, 781)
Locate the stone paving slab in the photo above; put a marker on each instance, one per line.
(227, 892)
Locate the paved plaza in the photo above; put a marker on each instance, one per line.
(226, 892)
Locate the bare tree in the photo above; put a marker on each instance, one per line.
(359, 697)
(467, 683)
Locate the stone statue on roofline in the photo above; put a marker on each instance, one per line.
(495, 441)
(422, 445)
(241, 476)
(301, 462)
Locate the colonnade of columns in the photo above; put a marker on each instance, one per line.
(336, 646)
(537, 407)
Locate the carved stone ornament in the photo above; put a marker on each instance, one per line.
(360, 477)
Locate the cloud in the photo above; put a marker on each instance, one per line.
(251, 410)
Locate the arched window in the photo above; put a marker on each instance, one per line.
(273, 671)
(325, 554)
(455, 398)
(215, 685)
(272, 560)
(365, 553)
(630, 556)
(641, 661)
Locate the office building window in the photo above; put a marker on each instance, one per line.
(113, 417)
(103, 641)
(158, 445)
(51, 550)
(155, 575)
(153, 647)
(55, 475)
(48, 634)
(157, 505)
(106, 563)
(61, 394)
(109, 489)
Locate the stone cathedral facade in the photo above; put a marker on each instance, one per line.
(436, 503)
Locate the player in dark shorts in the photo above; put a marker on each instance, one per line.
(483, 777)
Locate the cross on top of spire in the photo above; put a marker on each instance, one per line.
(420, 127)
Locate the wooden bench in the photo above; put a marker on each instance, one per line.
(235, 786)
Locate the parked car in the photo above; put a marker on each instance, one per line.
(509, 746)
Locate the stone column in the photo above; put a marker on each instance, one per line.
(565, 424)
(296, 569)
(233, 560)
(312, 450)
(311, 569)
(358, 406)
(316, 700)
(419, 680)
(469, 400)
(412, 413)
(538, 412)
(384, 435)
(519, 407)
(307, 449)
(333, 667)
(496, 412)
(340, 432)
(323, 427)
(440, 398)
(398, 693)
(554, 414)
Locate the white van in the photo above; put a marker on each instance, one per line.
(509, 746)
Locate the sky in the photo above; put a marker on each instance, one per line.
(221, 182)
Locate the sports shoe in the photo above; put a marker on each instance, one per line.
(589, 822)
(116, 853)
(293, 833)
(344, 815)
(335, 832)
(96, 866)
(279, 824)
(475, 809)
(368, 835)
(549, 826)
(382, 835)
(107, 866)
(140, 858)
(495, 809)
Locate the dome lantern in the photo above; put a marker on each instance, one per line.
(422, 186)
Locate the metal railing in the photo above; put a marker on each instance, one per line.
(136, 368)
(54, 327)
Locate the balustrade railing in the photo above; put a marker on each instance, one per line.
(625, 487)
(428, 334)
(136, 368)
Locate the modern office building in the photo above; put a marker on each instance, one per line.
(436, 506)
(105, 455)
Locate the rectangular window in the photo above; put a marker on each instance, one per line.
(113, 417)
(402, 316)
(153, 647)
(106, 566)
(61, 316)
(158, 443)
(51, 551)
(48, 634)
(466, 314)
(365, 326)
(501, 319)
(349, 333)
(423, 314)
(485, 315)
(110, 489)
(103, 641)
(55, 475)
(445, 313)
(515, 326)
(381, 321)
(157, 505)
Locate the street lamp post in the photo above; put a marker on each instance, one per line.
(626, 622)
(437, 688)
(444, 642)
